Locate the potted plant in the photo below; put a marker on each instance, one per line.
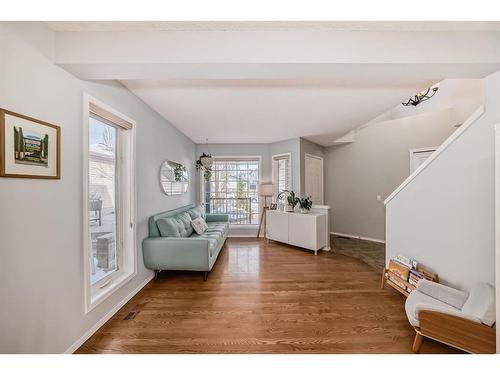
(292, 201)
(179, 170)
(205, 163)
(305, 204)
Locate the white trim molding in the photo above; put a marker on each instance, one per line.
(497, 231)
(106, 317)
(127, 270)
(472, 118)
(358, 237)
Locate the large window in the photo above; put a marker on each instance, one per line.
(282, 174)
(232, 189)
(103, 190)
(108, 200)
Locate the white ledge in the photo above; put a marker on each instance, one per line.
(472, 118)
(320, 206)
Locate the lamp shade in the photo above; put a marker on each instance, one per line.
(266, 190)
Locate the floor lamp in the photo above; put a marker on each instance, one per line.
(265, 190)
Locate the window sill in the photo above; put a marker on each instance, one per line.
(97, 298)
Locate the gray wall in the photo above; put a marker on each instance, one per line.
(292, 146)
(41, 267)
(445, 216)
(376, 164)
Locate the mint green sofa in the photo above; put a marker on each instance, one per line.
(174, 245)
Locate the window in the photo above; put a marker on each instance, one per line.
(232, 189)
(282, 174)
(108, 201)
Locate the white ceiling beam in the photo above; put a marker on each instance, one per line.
(321, 74)
(405, 47)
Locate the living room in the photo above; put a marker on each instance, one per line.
(316, 193)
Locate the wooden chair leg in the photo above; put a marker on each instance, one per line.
(417, 343)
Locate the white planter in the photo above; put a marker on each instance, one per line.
(289, 208)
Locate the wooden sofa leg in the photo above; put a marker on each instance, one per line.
(205, 277)
(417, 343)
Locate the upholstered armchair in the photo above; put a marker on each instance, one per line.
(454, 317)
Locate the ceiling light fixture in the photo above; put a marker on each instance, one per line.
(421, 96)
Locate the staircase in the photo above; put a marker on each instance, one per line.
(443, 213)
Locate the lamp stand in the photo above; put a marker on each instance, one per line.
(263, 218)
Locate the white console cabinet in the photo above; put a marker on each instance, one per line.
(304, 230)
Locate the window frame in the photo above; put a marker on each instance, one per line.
(274, 170)
(125, 206)
(235, 158)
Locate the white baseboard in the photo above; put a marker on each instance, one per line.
(245, 235)
(358, 237)
(106, 317)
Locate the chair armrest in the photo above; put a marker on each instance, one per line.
(176, 253)
(419, 307)
(216, 217)
(443, 293)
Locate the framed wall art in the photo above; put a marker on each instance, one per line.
(29, 148)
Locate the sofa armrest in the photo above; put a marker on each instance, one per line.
(217, 217)
(443, 293)
(419, 307)
(176, 253)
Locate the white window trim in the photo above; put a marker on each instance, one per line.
(238, 157)
(111, 284)
(274, 170)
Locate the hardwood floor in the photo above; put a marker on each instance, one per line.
(264, 298)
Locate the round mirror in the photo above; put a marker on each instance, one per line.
(173, 178)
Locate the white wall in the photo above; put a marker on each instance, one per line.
(41, 267)
(463, 95)
(444, 217)
(377, 162)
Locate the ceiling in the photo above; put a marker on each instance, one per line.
(261, 82)
(272, 25)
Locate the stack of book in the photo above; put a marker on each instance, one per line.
(398, 272)
(415, 276)
(403, 274)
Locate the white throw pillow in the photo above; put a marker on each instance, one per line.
(199, 225)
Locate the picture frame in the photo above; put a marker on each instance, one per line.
(273, 206)
(29, 148)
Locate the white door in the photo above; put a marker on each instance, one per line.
(314, 178)
(418, 156)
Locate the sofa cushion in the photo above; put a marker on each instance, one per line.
(417, 300)
(481, 303)
(196, 212)
(199, 225)
(213, 240)
(175, 226)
